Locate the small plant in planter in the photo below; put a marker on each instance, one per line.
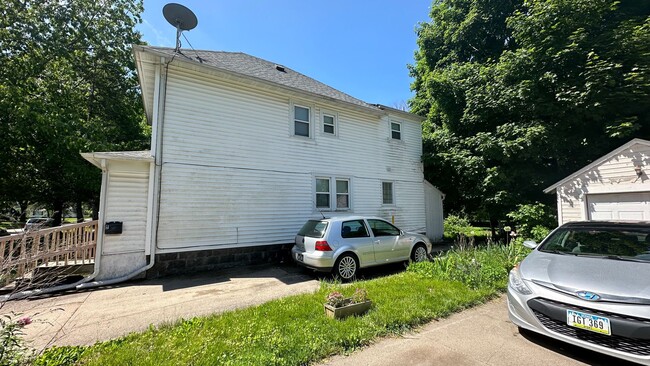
(338, 306)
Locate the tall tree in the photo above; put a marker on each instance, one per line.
(67, 84)
(518, 94)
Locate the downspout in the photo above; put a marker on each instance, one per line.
(160, 90)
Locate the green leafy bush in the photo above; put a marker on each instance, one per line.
(533, 220)
(13, 350)
(457, 226)
(60, 356)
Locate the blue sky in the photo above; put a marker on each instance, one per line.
(360, 47)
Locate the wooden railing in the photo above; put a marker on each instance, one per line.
(65, 245)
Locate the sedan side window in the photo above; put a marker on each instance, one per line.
(382, 228)
(353, 229)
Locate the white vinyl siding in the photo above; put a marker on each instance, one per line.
(233, 176)
(126, 202)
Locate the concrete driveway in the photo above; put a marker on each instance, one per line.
(478, 336)
(80, 318)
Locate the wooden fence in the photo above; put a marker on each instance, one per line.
(65, 245)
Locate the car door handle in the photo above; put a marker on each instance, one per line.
(377, 242)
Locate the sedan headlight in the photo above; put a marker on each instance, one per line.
(515, 281)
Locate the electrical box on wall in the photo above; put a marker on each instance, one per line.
(113, 227)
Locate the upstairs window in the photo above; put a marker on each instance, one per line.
(301, 121)
(387, 193)
(396, 130)
(329, 124)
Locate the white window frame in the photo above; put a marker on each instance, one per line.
(392, 193)
(335, 123)
(317, 192)
(336, 192)
(333, 193)
(309, 122)
(400, 131)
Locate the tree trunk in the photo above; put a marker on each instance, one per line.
(58, 213)
(23, 211)
(494, 226)
(80, 212)
(96, 209)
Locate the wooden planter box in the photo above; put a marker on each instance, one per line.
(347, 310)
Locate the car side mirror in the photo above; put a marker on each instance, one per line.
(530, 244)
(401, 232)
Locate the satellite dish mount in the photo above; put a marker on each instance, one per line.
(182, 18)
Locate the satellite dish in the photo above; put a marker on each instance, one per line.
(182, 18)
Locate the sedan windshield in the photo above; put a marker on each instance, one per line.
(313, 229)
(611, 243)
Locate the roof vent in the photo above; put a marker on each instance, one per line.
(280, 68)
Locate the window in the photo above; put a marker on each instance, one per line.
(342, 194)
(329, 124)
(353, 229)
(332, 193)
(382, 228)
(387, 193)
(322, 193)
(301, 118)
(396, 130)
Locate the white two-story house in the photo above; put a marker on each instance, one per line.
(243, 152)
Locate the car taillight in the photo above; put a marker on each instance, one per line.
(323, 246)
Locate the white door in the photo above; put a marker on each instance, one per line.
(619, 206)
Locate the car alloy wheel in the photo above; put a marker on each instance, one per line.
(419, 253)
(346, 267)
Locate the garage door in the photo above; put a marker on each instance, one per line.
(619, 206)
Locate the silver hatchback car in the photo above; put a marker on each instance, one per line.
(588, 284)
(342, 245)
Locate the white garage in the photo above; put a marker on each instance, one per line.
(613, 187)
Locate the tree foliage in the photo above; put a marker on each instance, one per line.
(518, 94)
(67, 85)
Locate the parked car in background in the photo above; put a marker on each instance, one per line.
(35, 223)
(588, 284)
(342, 245)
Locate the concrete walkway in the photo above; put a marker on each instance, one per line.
(80, 318)
(478, 336)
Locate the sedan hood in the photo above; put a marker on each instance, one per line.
(569, 273)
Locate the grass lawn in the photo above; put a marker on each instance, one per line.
(292, 330)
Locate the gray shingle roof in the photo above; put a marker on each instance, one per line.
(248, 65)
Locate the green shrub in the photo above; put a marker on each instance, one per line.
(13, 350)
(457, 226)
(484, 268)
(60, 356)
(533, 220)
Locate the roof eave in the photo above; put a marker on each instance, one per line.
(401, 112)
(370, 108)
(597, 162)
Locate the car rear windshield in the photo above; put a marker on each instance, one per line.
(313, 229)
(616, 243)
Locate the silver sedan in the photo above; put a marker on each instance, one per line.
(588, 284)
(345, 244)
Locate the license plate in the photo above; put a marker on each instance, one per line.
(299, 257)
(593, 323)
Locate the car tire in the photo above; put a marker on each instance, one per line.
(419, 253)
(346, 267)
